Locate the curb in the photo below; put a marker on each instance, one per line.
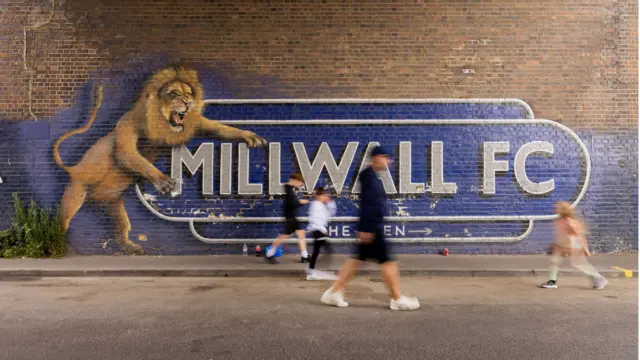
(30, 273)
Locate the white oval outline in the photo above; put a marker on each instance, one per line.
(573, 135)
(372, 101)
(325, 101)
(417, 239)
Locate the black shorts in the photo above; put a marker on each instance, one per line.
(319, 235)
(291, 226)
(378, 249)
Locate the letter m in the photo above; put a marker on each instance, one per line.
(202, 158)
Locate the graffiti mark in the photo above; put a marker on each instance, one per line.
(31, 73)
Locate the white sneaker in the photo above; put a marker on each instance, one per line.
(333, 298)
(600, 283)
(405, 303)
(312, 275)
(325, 275)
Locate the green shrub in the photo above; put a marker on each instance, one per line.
(34, 232)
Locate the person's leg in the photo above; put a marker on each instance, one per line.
(328, 247)
(398, 301)
(329, 251)
(317, 244)
(302, 243)
(345, 274)
(327, 275)
(290, 226)
(579, 261)
(274, 247)
(389, 267)
(554, 264)
(334, 295)
(391, 277)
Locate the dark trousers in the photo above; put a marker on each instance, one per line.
(319, 241)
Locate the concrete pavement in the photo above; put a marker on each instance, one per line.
(281, 318)
(251, 266)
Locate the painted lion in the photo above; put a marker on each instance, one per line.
(168, 113)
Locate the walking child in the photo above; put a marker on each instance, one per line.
(570, 240)
(320, 211)
(291, 225)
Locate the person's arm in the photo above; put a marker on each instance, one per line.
(313, 213)
(585, 246)
(290, 198)
(578, 230)
(331, 205)
(313, 210)
(368, 224)
(294, 198)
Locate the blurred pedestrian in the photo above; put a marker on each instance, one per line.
(371, 239)
(320, 211)
(570, 240)
(291, 224)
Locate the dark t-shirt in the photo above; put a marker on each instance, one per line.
(373, 200)
(291, 202)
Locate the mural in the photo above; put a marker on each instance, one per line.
(450, 181)
(153, 173)
(168, 113)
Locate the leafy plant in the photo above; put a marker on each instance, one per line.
(34, 232)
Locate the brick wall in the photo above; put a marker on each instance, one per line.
(574, 62)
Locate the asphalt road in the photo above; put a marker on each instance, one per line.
(202, 318)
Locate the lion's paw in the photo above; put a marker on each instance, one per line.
(164, 185)
(132, 248)
(253, 140)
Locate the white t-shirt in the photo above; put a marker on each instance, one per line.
(319, 215)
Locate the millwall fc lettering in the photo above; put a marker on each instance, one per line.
(457, 164)
(324, 161)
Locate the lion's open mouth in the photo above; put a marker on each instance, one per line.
(176, 120)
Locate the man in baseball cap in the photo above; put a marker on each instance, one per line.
(372, 244)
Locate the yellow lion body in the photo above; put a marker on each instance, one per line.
(168, 113)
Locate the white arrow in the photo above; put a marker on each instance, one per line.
(425, 231)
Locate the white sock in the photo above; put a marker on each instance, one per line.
(305, 254)
(271, 252)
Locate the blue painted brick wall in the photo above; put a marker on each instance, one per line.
(610, 204)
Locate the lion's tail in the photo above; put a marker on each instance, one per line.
(56, 153)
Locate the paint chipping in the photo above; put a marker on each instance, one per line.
(402, 211)
(149, 197)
